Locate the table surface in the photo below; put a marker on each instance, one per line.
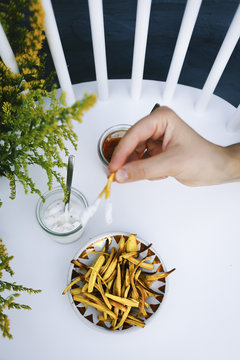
(195, 230)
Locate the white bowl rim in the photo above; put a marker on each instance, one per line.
(86, 321)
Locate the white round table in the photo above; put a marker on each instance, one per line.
(195, 230)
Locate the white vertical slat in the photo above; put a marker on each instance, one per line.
(6, 52)
(99, 48)
(140, 43)
(184, 36)
(56, 49)
(220, 62)
(234, 123)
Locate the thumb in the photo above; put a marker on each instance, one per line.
(153, 168)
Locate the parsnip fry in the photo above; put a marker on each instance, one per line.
(116, 284)
(116, 312)
(127, 255)
(94, 272)
(99, 276)
(138, 273)
(105, 299)
(87, 275)
(95, 252)
(94, 298)
(101, 308)
(147, 289)
(76, 291)
(121, 245)
(134, 322)
(142, 302)
(118, 305)
(127, 279)
(128, 302)
(134, 290)
(85, 287)
(134, 253)
(106, 190)
(71, 284)
(144, 265)
(121, 322)
(79, 264)
(130, 316)
(131, 243)
(132, 278)
(105, 267)
(160, 276)
(108, 186)
(126, 291)
(110, 282)
(111, 278)
(123, 290)
(111, 268)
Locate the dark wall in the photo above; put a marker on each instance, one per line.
(119, 18)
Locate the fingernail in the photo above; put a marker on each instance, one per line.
(121, 175)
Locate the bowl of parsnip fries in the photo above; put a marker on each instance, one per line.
(116, 282)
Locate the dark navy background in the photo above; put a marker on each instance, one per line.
(119, 19)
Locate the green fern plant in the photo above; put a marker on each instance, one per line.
(8, 302)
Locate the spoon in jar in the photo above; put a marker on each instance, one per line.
(69, 180)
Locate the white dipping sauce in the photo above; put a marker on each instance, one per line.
(63, 221)
(108, 212)
(90, 211)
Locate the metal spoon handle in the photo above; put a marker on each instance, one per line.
(69, 176)
(155, 107)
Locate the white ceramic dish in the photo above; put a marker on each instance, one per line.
(89, 316)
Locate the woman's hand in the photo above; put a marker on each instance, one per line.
(162, 145)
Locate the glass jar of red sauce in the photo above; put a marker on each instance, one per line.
(109, 140)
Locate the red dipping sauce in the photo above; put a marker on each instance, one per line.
(109, 140)
(109, 146)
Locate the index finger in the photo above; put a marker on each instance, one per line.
(146, 128)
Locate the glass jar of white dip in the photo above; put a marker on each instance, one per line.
(62, 224)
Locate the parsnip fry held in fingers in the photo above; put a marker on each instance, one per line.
(92, 209)
(107, 188)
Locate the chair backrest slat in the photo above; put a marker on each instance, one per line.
(140, 43)
(220, 62)
(99, 49)
(6, 52)
(184, 36)
(57, 53)
(141, 33)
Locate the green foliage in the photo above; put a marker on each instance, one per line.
(9, 301)
(35, 124)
